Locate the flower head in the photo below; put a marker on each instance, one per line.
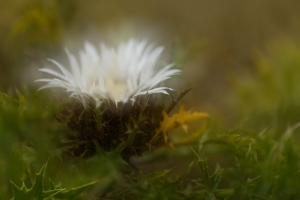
(120, 82)
(119, 75)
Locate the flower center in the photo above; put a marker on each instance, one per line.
(115, 82)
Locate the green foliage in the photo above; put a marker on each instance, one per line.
(30, 134)
(153, 186)
(22, 141)
(261, 165)
(208, 185)
(38, 192)
(158, 185)
(72, 193)
(272, 92)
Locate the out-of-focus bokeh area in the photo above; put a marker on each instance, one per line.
(238, 55)
(242, 57)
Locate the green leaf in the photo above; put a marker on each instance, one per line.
(73, 192)
(37, 189)
(38, 192)
(156, 176)
(209, 184)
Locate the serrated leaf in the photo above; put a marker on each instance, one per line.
(209, 184)
(37, 189)
(203, 167)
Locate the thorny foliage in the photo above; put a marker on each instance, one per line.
(111, 126)
(248, 165)
(133, 127)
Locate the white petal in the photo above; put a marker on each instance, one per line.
(119, 74)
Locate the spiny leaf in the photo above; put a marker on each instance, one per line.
(209, 184)
(37, 189)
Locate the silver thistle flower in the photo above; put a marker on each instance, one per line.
(119, 75)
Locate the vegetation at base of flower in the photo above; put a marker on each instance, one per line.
(37, 191)
(249, 165)
(133, 128)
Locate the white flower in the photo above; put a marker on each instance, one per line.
(119, 74)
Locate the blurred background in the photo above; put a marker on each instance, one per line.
(242, 57)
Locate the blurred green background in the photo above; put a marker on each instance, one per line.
(242, 57)
(219, 45)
